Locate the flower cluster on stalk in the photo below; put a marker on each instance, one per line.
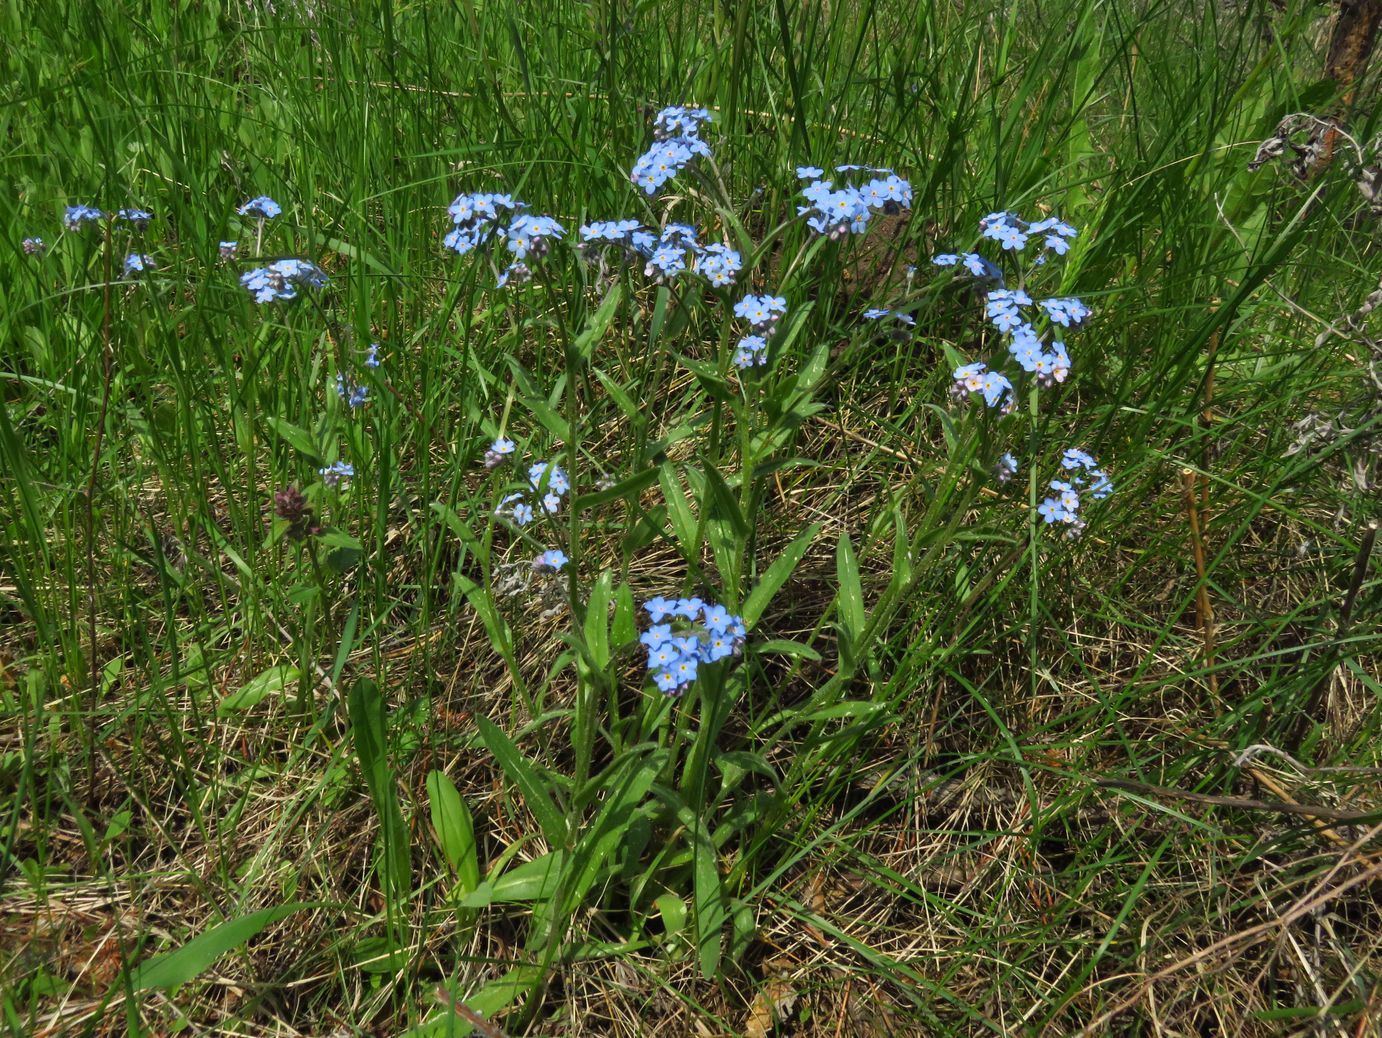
(676, 141)
(762, 314)
(280, 280)
(686, 634)
(1085, 477)
(847, 209)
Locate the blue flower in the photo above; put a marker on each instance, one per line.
(809, 172)
(657, 634)
(548, 476)
(372, 356)
(532, 235)
(336, 472)
(1065, 312)
(227, 250)
(351, 392)
(263, 208)
(34, 246)
(719, 264)
(660, 608)
(137, 263)
(139, 218)
(77, 215)
(281, 279)
(498, 452)
(699, 633)
(551, 561)
(1006, 468)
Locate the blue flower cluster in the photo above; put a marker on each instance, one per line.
(261, 208)
(837, 211)
(695, 633)
(553, 560)
(228, 250)
(1013, 233)
(34, 246)
(139, 219)
(546, 478)
(475, 217)
(77, 215)
(993, 386)
(972, 262)
(676, 141)
(137, 263)
(1007, 309)
(762, 313)
(499, 452)
(351, 391)
(281, 279)
(528, 236)
(336, 472)
(674, 251)
(1085, 477)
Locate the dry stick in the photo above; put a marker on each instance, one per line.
(1315, 704)
(1204, 611)
(1285, 807)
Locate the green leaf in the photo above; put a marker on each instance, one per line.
(599, 323)
(679, 511)
(787, 647)
(525, 777)
(295, 436)
(183, 964)
(369, 731)
(777, 574)
(535, 880)
(630, 487)
(597, 619)
(455, 830)
(275, 679)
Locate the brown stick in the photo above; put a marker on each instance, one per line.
(1284, 807)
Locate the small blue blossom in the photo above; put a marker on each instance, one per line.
(262, 208)
(77, 215)
(34, 246)
(516, 508)
(762, 312)
(137, 263)
(372, 356)
(499, 452)
(549, 475)
(699, 633)
(336, 472)
(719, 264)
(532, 235)
(809, 172)
(351, 392)
(280, 280)
(1006, 468)
(138, 218)
(551, 561)
(227, 250)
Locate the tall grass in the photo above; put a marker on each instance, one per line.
(386, 778)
